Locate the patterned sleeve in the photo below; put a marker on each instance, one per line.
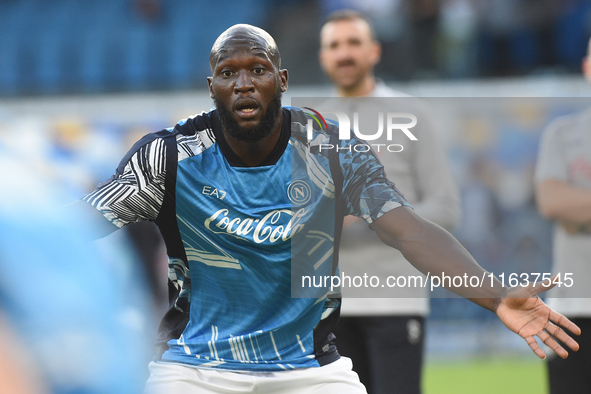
(136, 191)
(367, 192)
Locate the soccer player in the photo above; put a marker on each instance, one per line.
(349, 51)
(563, 193)
(245, 202)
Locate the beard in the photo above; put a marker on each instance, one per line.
(255, 133)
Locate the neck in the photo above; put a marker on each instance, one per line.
(361, 89)
(253, 153)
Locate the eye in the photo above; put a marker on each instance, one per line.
(227, 73)
(259, 70)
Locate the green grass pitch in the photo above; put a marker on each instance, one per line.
(486, 376)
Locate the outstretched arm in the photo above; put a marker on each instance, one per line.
(435, 251)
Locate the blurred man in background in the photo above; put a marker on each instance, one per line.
(384, 336)
(563, 192)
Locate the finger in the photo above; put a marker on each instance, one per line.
(563, 321)
(563, 337)
(535, 347)
(552, 344)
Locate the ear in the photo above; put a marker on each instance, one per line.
(283, 79)
(209, 81)
(376, 52)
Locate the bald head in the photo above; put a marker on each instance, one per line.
(252, 37)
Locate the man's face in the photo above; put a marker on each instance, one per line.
(246, 87)
(347, 51)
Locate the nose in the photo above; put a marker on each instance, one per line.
(243, 83)
(343, 52)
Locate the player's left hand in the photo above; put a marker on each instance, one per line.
(524, 313)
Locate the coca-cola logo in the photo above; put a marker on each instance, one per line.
(277, 225)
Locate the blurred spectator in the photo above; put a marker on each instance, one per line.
(385, 333)
(563, 180)
(458, 26)
(392, 29)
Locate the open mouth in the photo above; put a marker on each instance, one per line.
(247, 108)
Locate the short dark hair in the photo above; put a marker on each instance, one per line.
(349, 15)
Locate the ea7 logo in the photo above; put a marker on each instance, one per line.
(395, 121)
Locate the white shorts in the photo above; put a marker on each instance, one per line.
(336, 377)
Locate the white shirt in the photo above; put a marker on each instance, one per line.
(421, 172)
